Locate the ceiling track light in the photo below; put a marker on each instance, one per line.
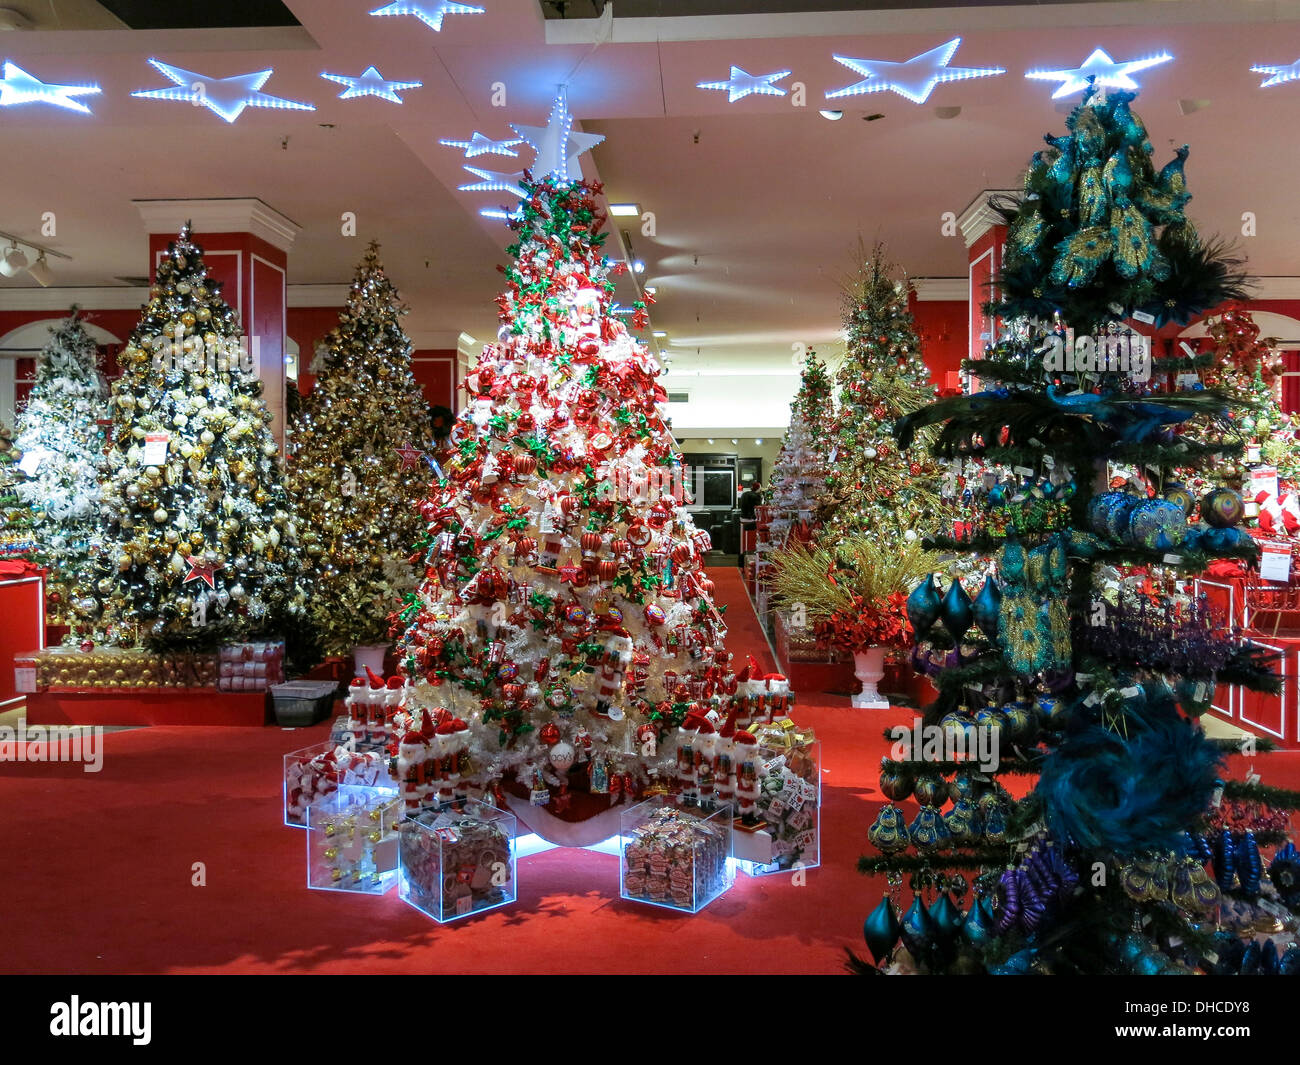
(18, 256)
(40, 271)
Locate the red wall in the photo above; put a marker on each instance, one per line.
(942, 326)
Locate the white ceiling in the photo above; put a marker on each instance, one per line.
(756, 223)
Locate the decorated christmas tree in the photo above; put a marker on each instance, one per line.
(60, 434)
(198, 544)
(16, 534)
(798, 482)
(563, 643)
(1267, 472)
(1083, 663)
(358, 468)
(876, 487)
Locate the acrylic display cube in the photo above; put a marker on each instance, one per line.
(352, 841)
(674, 855)
(457, 859)
(314, 772)
(788, 833)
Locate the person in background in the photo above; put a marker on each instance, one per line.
(751, 498)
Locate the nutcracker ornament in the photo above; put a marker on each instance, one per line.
(747, 785)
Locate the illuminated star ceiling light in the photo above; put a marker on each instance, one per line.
(481, 145)
(1101, 69)
(742, 83)
(431, 14)
(224, 97)
(19, 87)
(1279, 74)
(914, 79)
(371, 84)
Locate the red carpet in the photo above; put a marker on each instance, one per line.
(100, 867)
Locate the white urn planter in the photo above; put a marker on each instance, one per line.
(869, 668)
(371, 655)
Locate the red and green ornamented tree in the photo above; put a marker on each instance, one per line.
(62, 439)
(877, 488)
(564, 637)
(357, 467)
(1242, 364)
(801, 470)
(197, 544)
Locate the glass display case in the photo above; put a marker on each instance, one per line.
(352, 841)
(457, 859)
(314, 772)
(786, 832)
(675, 855)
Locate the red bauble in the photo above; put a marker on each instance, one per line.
(590, 541)
(607, 569)
(525, 465)
(914, 469)
(525, 423)
(681, 552)
(549, 734)
(620, 547)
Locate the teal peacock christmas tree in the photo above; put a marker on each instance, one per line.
(1083, 663)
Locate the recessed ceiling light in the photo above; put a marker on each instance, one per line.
(625, 210)
(734, 440)
(1186, 107)
(638, 265)
(660, 333)
(831, 116)
(947, 112)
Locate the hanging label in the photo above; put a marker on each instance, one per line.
(1252, 453)
(1275, 562)
(1143, 317)
(1263, 479)
(1188, 379)
(24, 678)
(155, 448)
(31, 461)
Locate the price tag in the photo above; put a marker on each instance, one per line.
(464, 904)
(1275, 562)
(1023, 471)
(25, 678)
(1252, 453)
(1263, 479)
(31, 461)
(1187, 380)
(155, 448)
(1144, 317)
(1173, 560)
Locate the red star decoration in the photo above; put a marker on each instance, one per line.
(201, 571)
(410, 456)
